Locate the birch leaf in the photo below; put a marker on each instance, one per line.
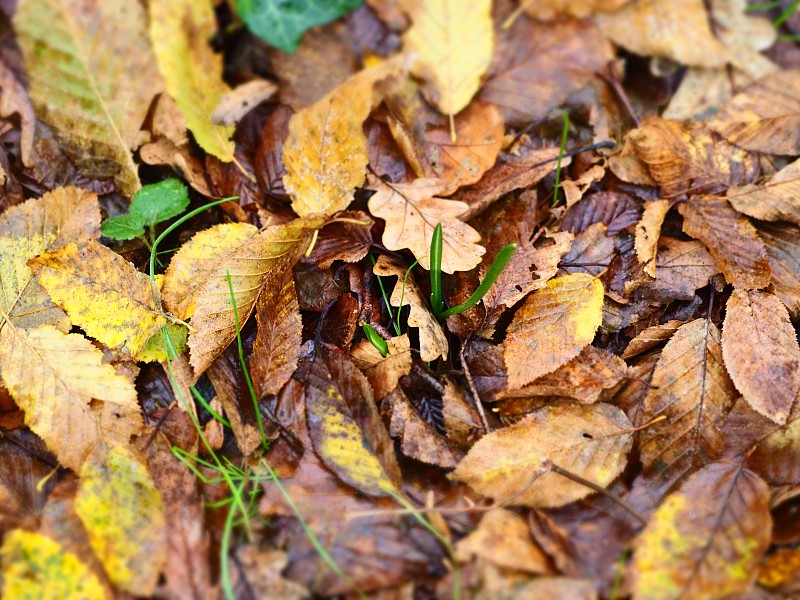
(92, 77)
(180, 31)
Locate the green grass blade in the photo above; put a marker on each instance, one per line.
(436, 270)
(561, 149)
(377, 341)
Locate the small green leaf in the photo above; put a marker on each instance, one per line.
(123, 227)
(281, 23)
(160, 201)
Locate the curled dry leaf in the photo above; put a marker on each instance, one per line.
(432, 340)
(761, 352)
(453, 43)
(776, 200)
(706, 539)
(731, 239)
(511, 465)
(325, 154)
(552, 327)
(382, 372)
(411, 212)
(647, 233)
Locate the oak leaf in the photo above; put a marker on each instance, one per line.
(761, 353)
(453, 43)
(552, 327)
(648, 231)
(94, 100)
(411, 212)
(510, 464)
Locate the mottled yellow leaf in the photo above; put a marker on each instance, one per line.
(122, 512)
(453, 41)
(35, 567)
(156, 350)
(102, 293)
(180, 31)
(552, 327)
(412, 210)
(197, 261)
(510, 464)
(39, 225)
(71, 399)
(92, 77)
(325, 154)
(259, 261)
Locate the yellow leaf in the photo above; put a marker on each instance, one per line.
(453, 41)
(180, 31)
(511, 464)
(325, 154)
(253, 265)
(155, 350)
(411, 212)
(196, 262)
(55, 378)
(102, 293)
(39, 225)
(122, 512)
(36, 567)
(92, 77)
(552, 327)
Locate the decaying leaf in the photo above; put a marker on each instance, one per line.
(95, 100)
(511, 465)
(124, 517)
(234, 105)
(782, 242)
(411, 212)
(102, 293)
(71, 399)
(682, 267)
(325, 154)
(776, 200)
(761, 352)
(453, 42)
(382, 372)
(706, 539)
(180, 32)
(647, 233)
(552, 327)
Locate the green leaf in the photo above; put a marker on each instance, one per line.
(281, 23)
(123, 227)
(160, 201)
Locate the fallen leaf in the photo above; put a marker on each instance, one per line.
(510, 464)
(411, 212)
(552, 327)
(731, 239)
(548, 9)
(650, 338)
(776, 200)
(706, 539)
(179, 32)
(102, 293)
(326, 154)
(691, 388)
(348, 241)
(432, 340)
(71, 399)
(234, 105)
(782, 242)
(95, 101)
(682, 267)
(258, 573)
(591, 252)
(34, 566)
(124, 517)
(382, 372)
(453, 44)
(15, 100)
(761, 352)
(615, 209)
(778, 571)
(648, 231)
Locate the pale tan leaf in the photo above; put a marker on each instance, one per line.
(776, 200)
(761, 353)
(648, 231)
(71, 399)
(432, 340)
(510, 464)
(234, 105)
(15, 100)
(552, 327)
(731, 239)
(411, 212)
(382, 372)
(416, 437)
(547, 9)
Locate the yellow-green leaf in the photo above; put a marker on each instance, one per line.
(102, 293)
(36, 567)
(54, 378)
(453, 41)
(552, 327)
(92, 77)
(180, 31)
(122, 512)
(155, 350)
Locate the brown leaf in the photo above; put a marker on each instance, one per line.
(682, 267)
(346, 241)
(591, 252)
(616, 209)
(705, 540)
(15, 100)
(511, 464)
(782, 242)
(650, 338)
(731, 239)
(547, 9)
(776, 200)
(691, 388)
(648, 231)
(761, 352)
(382, 372)
(258, 573)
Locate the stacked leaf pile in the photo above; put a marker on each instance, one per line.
(224, 366)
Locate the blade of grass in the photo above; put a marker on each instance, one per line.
(403, 293)
(561, 149)
(784, 16)
(437, 304)
(377, 341)
(385, 297)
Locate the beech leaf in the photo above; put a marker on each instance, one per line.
(776, 200)
(647, 233)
